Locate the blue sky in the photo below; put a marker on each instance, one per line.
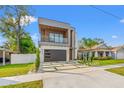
(89, 22)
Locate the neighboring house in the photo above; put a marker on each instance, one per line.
(118, 52)
(5, 56)
(103, 50)
(58, 41)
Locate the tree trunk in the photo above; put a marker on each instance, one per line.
(18, 44)
(18, 33)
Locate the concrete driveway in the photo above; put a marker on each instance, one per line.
(92, 77)
(81, 79)
(84, 77)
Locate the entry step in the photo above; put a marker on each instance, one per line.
(66, 67)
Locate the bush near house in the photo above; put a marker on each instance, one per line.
(37, 63)
(102, 58)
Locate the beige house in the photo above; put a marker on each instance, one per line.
(103, 50)
(58, 41)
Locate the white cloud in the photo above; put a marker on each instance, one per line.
(35, 38)
(28, 20)
(122, 20)
(25, 20)
(114, 36)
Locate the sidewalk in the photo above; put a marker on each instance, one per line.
(62, 73)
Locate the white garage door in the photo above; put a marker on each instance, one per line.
(120, 54)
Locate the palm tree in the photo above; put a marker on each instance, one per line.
(89, 43)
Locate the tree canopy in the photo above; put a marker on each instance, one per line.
(27, 45)
(89, 43)
(13, 21)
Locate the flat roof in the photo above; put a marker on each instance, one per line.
(55, 23)
(53, 20)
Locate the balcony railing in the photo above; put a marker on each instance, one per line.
(47, 41)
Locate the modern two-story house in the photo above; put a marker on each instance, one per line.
(58, 41)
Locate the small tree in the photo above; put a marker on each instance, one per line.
(37, 63)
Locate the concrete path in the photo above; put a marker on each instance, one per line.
(80, 77)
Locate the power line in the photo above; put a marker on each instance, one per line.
(108, 13)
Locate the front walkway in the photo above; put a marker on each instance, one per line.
(80, 77)
(57, 66)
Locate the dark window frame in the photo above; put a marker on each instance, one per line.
(55, 37)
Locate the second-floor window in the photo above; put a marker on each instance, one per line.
(51, 37)
(54, 37)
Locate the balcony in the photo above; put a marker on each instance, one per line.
(49, 42)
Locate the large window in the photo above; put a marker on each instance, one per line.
(54, 37)
(61, 38)
(51, 37)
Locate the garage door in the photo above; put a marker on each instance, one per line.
(120, 54)
(55, 55)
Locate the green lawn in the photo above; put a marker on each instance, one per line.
(15, 69)
(119, 70)
(33, 84)
(103, 62)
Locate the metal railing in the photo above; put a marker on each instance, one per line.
(47, 41)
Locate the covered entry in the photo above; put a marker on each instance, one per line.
(5, 56)
(54, 55)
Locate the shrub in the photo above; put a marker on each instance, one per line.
(102, 58)
(37, 62)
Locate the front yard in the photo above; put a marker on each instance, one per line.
(119, 70)
(102, 62)
(15, 69)
(20, 69)
(33, 84)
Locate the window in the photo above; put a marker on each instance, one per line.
(54, 37)
(51, 37)
(61, 38)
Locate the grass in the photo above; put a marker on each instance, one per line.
(15, 69)
(33, 84)
(102, 62)
(119, 70)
